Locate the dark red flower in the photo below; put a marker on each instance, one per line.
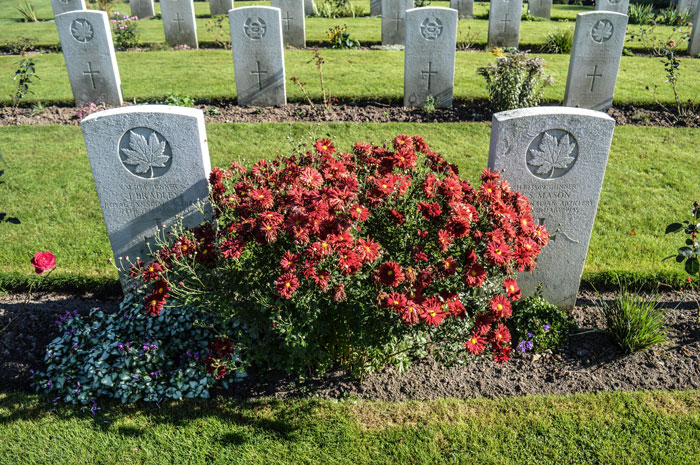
(153, 304)
(502, 354)
(498, 253)
(475, 344)
(475, 275)
(359, 213)
(286, 285)
(444, 239)
(339, 293)
(432, 312)
(501, 307)
(430, 211)
(311, 178)
(512, 290)
(324, 147)
(501, 335)
(152, 271)
(390, 274)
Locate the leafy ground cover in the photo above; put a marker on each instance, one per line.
(49, 187)
(364, 75)
(621, 428)
(365, 29)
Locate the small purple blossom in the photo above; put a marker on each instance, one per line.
(546, 327)
(524, 346)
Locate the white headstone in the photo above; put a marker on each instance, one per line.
(540, 8)
(688, 6)
(309, 7)
(64, 6)
(142, 9)
(394, 21)
(694, 40)
(465, 8)
(504, 23)
(617, 6)
(88, 50)
(220, 7)
(375, 7)
(293, 21)
(179, 23)
(258, 55)
(556, 156)
(595, 59)
(429, 67)
(150, 164)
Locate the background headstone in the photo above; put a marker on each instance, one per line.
(258, 55)
(309, 7)
(293, 21)
(504, 23)
(142, 9)
(375, 7)
(150, 164)
(556, 156)
(540, 8)
(429, 67)
(86, 41)
(394, 21)
(64, 6)
(179, 23)
(618, 6)
(595, 59)
(687, 5)
(694, 40)
(465, 8)
(220, 7)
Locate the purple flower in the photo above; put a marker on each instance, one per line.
(546, 327)
(524, 346)
(530, 335)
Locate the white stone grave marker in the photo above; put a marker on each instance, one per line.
(220, 7)
(179, 23)
(465, 8)
(293, 21)
(394, 21)
(694, 40)
(540, 8)
(142, 9)
(617, 6)
(504, 23)
(64, 6)
(375, 7)
(309, 7)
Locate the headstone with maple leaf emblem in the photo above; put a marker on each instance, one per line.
(64, 6)
(179, 23)
(86, 41)
(504, 23)
(556, 156)
(151, 166)
(617, 6)
(595, 59)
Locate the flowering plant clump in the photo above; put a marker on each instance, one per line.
(361, 258)
(126, 32)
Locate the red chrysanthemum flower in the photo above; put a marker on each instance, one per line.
(541, 235)
(349, 262)
(385, 185)
(339, 293)
(498, 253)
(512, 290)
(311, 178)
(502, 354)
(501, 307)
(409, 313)
(261, 198)
(390, 274)
(475, 275)
(153, 304)
(161, 289)
(289, 261)
(475, 344)
(359, 213)
(322, 279)
(405, 158)
(489, 191)
(420, 256)
(448, 266)
(501, 335)
(403, 141)
(368, 250)
(527, 246)
(324, 147)
(430, 211)
(152, 272)
(489, 175)
(432, 313)
(395, 301)
(286, 285)
(444, 239)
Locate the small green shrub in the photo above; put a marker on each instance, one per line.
(26, 71)
(673, 17)
(516, 80)
(429, 105)
(540, 325)
(27, 11)
(339, 37)
(634, 321)
(20, 45)
(126, 32)
(175, 99)
(338, 9)
(560, 40)
(641, 13)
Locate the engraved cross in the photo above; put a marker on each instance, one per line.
(178, 20)
(259, 73)
(594, 75)
(397, 20)
(429, 73)
(505, 22)
(90, 72)
(287, 19)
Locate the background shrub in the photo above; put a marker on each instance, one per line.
(642, 13)
(560, 40)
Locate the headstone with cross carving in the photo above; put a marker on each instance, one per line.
(375, 7)
(465, 8)
(220, 7)
(394, 21)
(694, 40)
(86, 41)
(540, 8)
(293, 21)
(64, 6)
(429, 66)
(179, 23)
(142, 9)
(150, 164)
(258, 55)
(595, 59)
(556, 156)
(504, 23)
(617, 6)
(689, 6)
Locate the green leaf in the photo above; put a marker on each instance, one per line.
(107, 381)
(685, 251)
(692, 266)
(674, 227)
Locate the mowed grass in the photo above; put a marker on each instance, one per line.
(366, 29)
(366, 75)
(606, 428)
(49, 186)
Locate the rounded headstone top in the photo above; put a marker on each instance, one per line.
(142, 109)
(550, 111)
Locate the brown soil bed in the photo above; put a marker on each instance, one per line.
(589, 363)
(358, 113)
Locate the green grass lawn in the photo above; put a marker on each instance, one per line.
(350, 75)
(366, 29)
(607, 428)
(49, 186)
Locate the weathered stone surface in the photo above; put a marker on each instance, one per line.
(556, 156)
(595, 59)
(142, 9)
(258, 55)
(293, 21)
(150, 164)
(686, 5)
(178, 23)
(309, 7)
(88, 50)
(540, 8)
(617, 6)
(220, 7)
(504, 23)
(64, 6)
(394, 21)
(431, 39)
(375, 7)
(465, 8)
(694, 40)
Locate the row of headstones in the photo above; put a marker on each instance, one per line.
(258, 57)
(151, 164)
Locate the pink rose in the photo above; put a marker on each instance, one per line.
(43, 261)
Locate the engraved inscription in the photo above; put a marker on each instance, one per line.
(145, 153)
(82, 30)
(431, 28)
(255, 28)
(602, 31)
(552, 154)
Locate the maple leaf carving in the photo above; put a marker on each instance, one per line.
(146, 155)
(81, 30)
(602, 31)
(552, 154)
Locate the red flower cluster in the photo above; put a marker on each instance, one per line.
(220, 350)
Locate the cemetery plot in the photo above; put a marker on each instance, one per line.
(179, 23)
(504, 23)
